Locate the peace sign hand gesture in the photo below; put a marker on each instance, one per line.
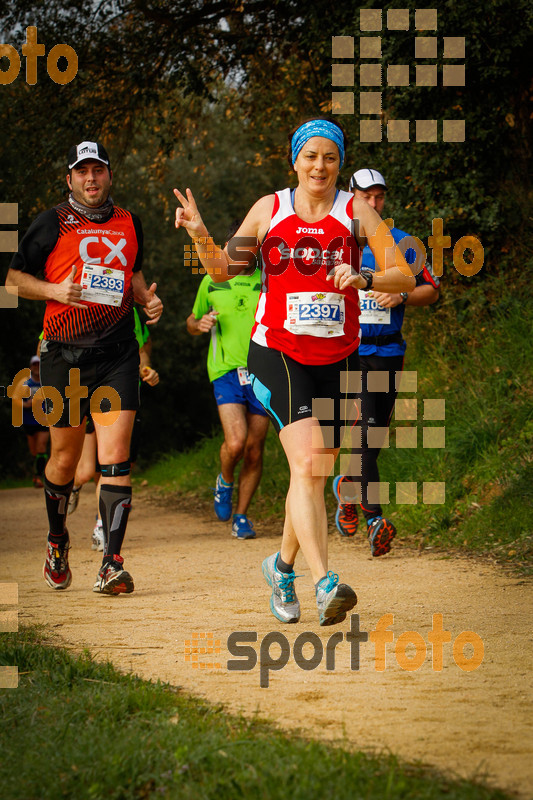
(188, 216)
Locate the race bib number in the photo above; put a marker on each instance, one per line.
(102, 285)
(242, 374)
(315, 314)
(371, 311)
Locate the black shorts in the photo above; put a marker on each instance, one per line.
(135, 438)
(115, 366)
(31, 430)
(290, 391)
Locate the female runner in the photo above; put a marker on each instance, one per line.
(303, 359)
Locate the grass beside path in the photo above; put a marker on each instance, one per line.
(78, 729)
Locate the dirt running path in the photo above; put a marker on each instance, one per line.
(191, 577)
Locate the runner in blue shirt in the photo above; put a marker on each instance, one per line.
(382, 350)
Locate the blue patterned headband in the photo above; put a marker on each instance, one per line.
(317, 127)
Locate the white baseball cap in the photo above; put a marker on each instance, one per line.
(87, 150)
(363, 179)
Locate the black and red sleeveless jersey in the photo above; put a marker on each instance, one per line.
(61, 238)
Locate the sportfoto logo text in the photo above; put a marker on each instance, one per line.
(309, 255)
(410, 649)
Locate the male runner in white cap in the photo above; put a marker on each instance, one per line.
(89, 254)
(382, 350)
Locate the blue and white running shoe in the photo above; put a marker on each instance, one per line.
(223, 493)
(334, 599)
(283, 603)
(242, 527)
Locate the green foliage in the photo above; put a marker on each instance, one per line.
(78, 729)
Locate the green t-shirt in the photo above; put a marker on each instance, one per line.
(236, 301)
(142, 334)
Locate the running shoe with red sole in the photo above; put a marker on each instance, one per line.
(380, 534)
(346, 517)
(113, 579)
(56, 570)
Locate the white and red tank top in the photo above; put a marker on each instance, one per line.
(299, 312)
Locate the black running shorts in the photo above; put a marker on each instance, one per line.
(290, 391)
(115, 366)
(31, 430)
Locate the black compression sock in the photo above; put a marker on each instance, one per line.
(40, 463)
(56, 506)
(281, 566)
(115, 506)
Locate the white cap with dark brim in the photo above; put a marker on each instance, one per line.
(87, 150)
(364, 179)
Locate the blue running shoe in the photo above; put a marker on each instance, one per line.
(346, 516)
(334, 599)
(242, 527)
(380, 532)
(283, 602)
(223, 492)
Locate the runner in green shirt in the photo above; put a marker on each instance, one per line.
(226, 311)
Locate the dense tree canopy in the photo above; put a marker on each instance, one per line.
(203, 94)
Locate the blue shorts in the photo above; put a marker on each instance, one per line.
(227, 389)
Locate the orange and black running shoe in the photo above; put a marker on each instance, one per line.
(346, 516)
(380, 534)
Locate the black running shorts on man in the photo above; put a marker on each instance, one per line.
(115, 366)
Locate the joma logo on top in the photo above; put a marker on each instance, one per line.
(32, 50)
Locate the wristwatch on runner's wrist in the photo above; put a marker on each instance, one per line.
(404, 297)
(368, 275)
